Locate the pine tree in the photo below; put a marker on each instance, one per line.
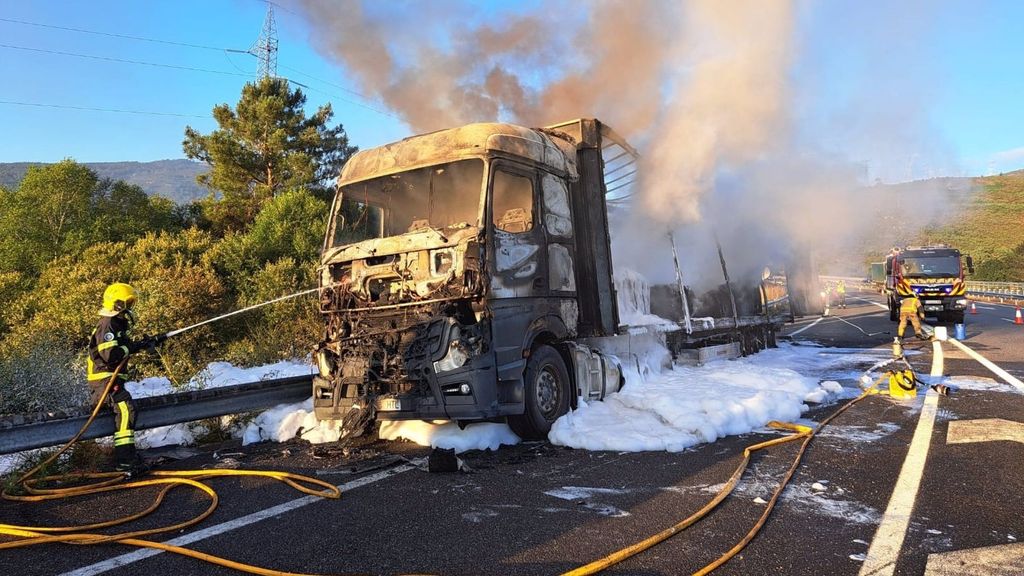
(263, 146)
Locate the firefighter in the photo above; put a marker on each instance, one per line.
(910, 309)
(841, 293)
(110, 344)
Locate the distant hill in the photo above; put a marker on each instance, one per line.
(982, 216)
(174, 179)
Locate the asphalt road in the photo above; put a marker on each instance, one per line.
(541, 509)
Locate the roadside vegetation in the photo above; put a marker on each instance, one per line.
(65, 234)
(985, 218)
(991, 228)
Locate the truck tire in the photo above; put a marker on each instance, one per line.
(894, 314)
(547, 390)
(956, 317)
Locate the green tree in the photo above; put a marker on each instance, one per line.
(64, 208)
(42, 218)
(262, 147)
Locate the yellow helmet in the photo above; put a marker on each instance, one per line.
(117, 298)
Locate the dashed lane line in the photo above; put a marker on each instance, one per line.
(132, 557)
(885, 546)
(811, 325)
(882, 306)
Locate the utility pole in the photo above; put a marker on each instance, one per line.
(265, 47)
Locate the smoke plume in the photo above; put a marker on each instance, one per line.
(706, 89)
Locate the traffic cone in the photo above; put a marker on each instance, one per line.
(1017, 318)
(974, 309)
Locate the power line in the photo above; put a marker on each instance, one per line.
(124, 61)
(110, 34)
(68, 107)
(189, 68)
(343, 99)
(329, 83)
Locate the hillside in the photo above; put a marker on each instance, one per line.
(983, 217)
(174, 179)
(991, 228)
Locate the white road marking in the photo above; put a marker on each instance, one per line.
(885, 546)
(937, 359)
(1000, 560)
(808, 326)
(984, 430)
(988, 364)
(131, 557)
(985, 308)
(882, 306)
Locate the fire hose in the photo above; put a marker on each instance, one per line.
(103, 482)
(804, 433)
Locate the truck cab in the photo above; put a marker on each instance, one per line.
(458, 271)
(935, 274)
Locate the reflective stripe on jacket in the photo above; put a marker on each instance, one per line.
(109, 344)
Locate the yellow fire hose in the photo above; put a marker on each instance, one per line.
(113, 481)
(801, 432)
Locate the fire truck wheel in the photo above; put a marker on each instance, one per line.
(547, 389)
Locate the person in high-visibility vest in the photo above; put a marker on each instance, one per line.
(111, 344)
(841, 293)
(910, 309)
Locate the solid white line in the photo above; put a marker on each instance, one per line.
(937, 359)
(808, 326)
(131, 557)
(988, 364)
(882, 306)
(885, 546)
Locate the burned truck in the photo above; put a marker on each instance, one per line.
(467, 275)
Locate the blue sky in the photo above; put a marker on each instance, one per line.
(961, 65)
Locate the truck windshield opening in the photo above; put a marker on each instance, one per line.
(441, 196)
(936, 267)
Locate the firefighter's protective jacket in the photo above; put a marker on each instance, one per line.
(910, 305)
(109, 344)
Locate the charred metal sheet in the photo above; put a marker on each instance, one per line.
(455, 143)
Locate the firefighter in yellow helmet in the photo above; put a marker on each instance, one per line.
(910, 309)
(111, 344)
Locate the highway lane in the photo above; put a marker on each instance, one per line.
(503, 518)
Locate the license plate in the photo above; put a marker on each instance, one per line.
(933, 308)
(389, 404)
(939, 302)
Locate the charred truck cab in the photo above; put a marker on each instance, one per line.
(462, 270)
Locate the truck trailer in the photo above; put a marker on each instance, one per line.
(467, 275)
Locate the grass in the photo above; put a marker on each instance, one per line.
(987, 223)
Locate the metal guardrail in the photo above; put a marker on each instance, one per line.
(1002, 290)
(162, 411)
(1013, 291)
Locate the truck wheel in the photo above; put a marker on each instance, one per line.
(957, 317)
(547, 394)
(893, 314)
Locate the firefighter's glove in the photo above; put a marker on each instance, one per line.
(149, 343)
